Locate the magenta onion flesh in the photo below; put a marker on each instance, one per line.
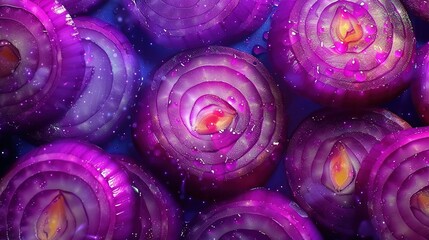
(159, 215)
(112, 72)
(393, 184)
(418, 7)
(196, 23)
(66, 190)
(213, 119)
(324, 157)
(257, 214)
(343, 53)
(419, 89)
(42, 63)
(80, 6)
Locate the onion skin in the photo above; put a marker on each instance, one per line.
(43, 85)
(180, 132)
(343, 53)
(190, 24)
(419, 90)
(75, 7)
(419, 8)
(159, 214)
(74, 185)
(256, 214)
(394, 171)
(110, 90)
(342, 138)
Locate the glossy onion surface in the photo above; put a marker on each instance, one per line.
(420, 89)
(324, 158)
(194, 23)
(343, 53)
(80, 6)
(66, 190)
(159, 215)
(215, 117)
(418, 7)
(257, 214)
(393, 182)
(38, 46)
(112, 73)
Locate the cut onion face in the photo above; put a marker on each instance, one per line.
(214, 119)
(196, 23)
(343, 53)
(419, 88)
(418, 7)
(256, 214)
(66, 190)
(110, 90)
(159, 215)
(80, 6)
(393, 183)
(324, 157)
(38, 44)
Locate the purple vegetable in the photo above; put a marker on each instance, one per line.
(418, 7)
(66, 190)
(419, 89)
(393, 184)
(190, 23)
(80, 6)
(113, 72)
(38, 46)
(213, 119)
(343, 53)
(256, 214)
(324, 157)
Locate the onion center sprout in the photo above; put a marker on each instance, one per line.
(420, 201)
(214, 118)
(341, 169)
(9, 57)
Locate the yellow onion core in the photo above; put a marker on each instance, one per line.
(347, 27)
(340, 168)
(9, 58)
(421, 201)
(54, 219)
(213, 121)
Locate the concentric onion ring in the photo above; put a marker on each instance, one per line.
(39, 44)
(110, 89)
(324, 157)
(214, 119)
(159, 216)
(393, 182)
(66, 190)
(258, 214)
(195, 23)
(343, 53)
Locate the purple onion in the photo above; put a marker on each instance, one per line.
(213, 119)
(393, 184)
(66, 190)
(113, 74)
(418, 7)
(80, 6)
(159, 216)
(256, 214)
(324, 157)
(419, 89)
(38, 46)
(195, 23)
(343, 53)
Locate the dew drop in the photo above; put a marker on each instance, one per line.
(258, 50)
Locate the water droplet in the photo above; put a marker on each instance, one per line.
(258, 50)
(381, 56)
(398, 53)
(265, 35)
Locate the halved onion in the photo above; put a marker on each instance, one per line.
(66, 190)
(213, 119)
(195, 23)
(159, 217)
(418, 7)
(343, 53)
(80, 6)
(420, 86)
(42, 62)
(324, 157)
(394, 185)
(256, 214)
(110, 90)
